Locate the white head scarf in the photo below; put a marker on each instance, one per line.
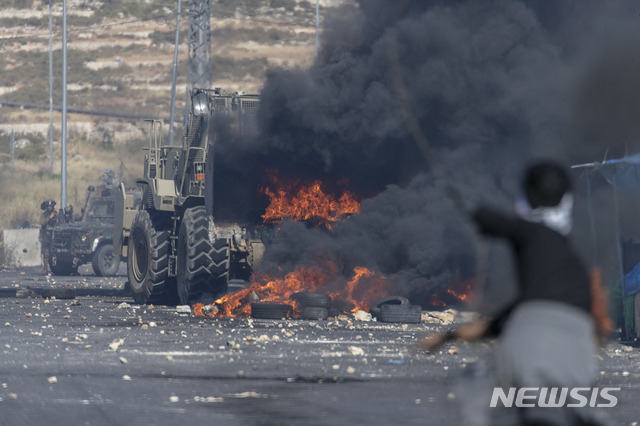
(557, 217)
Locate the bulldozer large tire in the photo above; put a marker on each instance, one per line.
(148, 258)
(202, 266)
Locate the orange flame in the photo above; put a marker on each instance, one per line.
(460, 292)
(305, 202)
(360, 291)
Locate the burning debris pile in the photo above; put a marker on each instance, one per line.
(472, 89)
(358, 293)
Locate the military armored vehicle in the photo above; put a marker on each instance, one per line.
(89, 239)
(175, 252)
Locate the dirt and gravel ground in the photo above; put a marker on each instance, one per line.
(99, 359)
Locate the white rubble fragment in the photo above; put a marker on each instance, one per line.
(116, 344)
(362, 316)
(355, 350)
(174, 398)
(183, 309)
(123, 360)
(445, 317)
(52, 380)
(247, 394)
(124, 305)
(126, 378)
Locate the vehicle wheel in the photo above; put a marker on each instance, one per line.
(400, 313)
(202, 267)
(393, 300)
(104, 263)
(314, 313)
(62, 267)
(316, 300)
(148, 258)
(269, 310)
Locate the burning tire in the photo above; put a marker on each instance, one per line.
(104, 263)
(400, 313)
(148, 258)
(201, 266)
(267, 310)
(393, 300)
(316, 300)
(313, 313)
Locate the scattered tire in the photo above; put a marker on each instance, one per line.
(267, 310)
(148, 258)
(59, 293)
(104, 263)
(62, 267)
(393, 300)
(314, 313)
(315, 300)
(201, 266)
(400, 313)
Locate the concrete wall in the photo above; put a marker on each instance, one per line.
(20, 247)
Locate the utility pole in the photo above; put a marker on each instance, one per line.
(63, 154)
(175, 74)
(200, 66)
(13, 150)
(50, 89)
(315, 56)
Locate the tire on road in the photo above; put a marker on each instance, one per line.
(59, 293)
(104, 262)
(148, 258)
(269, 310)
(316, 300)
(314, 313)
(392, 300)
(62, 267)
(400, 313)
(202, 267)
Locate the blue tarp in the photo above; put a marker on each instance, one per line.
(624, 174)
(632, 281)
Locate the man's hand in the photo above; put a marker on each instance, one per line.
(431, 341)
(472, 331)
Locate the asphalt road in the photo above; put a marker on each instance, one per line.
(92, 360)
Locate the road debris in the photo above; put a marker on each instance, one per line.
(116, 344)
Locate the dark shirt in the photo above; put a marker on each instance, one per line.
(548, 267)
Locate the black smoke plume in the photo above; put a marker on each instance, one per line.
(410, 97)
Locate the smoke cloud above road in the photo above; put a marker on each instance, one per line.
(408, 97)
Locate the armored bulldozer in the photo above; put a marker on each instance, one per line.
(175, 252)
